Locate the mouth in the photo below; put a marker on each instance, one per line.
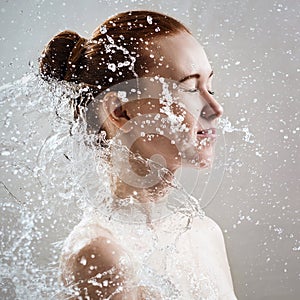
(207, 133)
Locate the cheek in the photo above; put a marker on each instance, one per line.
(187, 121)
(191, 123)
(177, 128)
(153, 144)
(162, 128)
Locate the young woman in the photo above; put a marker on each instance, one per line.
(170, 121)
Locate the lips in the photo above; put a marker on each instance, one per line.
(207, 133)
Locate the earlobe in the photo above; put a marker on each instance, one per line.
(115, 111)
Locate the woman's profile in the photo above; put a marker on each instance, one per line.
(150, 83)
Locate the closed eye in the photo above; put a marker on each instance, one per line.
(195, 90)
(188, 90)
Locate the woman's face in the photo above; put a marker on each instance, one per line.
(167, 128)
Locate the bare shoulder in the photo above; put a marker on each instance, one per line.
(210, 226)
(212, 223)
(215, 236)
(100, 269)
(99, 255)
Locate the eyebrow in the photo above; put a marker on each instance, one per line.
(194, 76)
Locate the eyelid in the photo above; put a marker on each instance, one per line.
(194, 90)
(188, 89)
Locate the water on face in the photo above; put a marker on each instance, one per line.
(54, 175)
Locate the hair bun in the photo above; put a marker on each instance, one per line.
(59, 54)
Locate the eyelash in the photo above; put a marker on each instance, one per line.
(196, 90)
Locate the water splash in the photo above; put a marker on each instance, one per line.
(227, 127)
(51, 170)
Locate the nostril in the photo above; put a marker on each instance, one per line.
(207, 112)
(211, 112)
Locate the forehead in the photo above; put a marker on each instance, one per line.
(177, 56)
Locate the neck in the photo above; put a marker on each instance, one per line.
(142, 204)
(150, 188)
(139, 183)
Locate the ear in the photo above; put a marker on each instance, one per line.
(115, 111)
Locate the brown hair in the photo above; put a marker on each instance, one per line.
(107, 58)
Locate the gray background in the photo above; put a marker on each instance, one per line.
(253, 47)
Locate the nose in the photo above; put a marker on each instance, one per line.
(218, 109)
(212, 110)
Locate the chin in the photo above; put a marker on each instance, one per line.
(200, 159)
(201, 163)
(206, 162)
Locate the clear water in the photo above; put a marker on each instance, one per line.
(256, 203)
(51, 170)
